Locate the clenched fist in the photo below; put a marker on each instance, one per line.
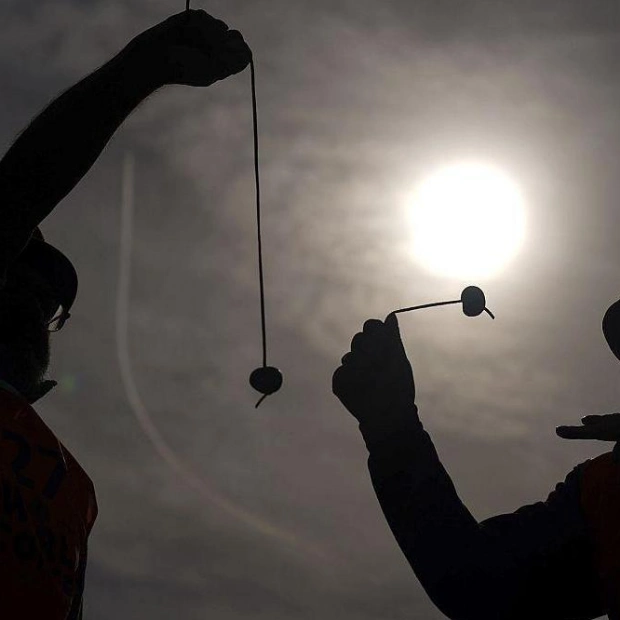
(190, 48)
(375, 381)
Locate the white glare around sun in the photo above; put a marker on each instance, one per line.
(468, 221)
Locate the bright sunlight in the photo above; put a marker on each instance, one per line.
(468, 221)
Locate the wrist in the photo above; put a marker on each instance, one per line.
(389, 427)
(139, 70)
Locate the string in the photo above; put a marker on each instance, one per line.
(441, 303)
(137, 407)
(261, 277)
(136, 404)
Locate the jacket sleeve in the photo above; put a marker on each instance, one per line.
(535, 563)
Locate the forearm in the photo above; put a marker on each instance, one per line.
(461, 572)
(59, 147)
(437, 534)
(532, 563)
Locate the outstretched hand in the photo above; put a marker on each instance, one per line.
(603, 427)
(191, 48)
(375, 381)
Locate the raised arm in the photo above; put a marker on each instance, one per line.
(51, 156)
(534, 563)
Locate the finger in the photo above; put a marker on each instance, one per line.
(609, 418)
(372, 326)
(192, 67)
(236, 55)
(232, 52)
(368, 351)
(379, 340)
(203, 32)
(574, 432)
(569, 432)
(192, 20)
(591, 419)
(391, 322)
(365, 354)
(337, 380)
(587, 432)
(342, 381)
(235, 38)
(346, 358)
(358, 343)
(235, 44)
(200, 16)
(197, 69)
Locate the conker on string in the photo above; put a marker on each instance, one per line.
(266, 380)
(473, 301)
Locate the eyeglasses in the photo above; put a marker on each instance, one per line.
(29, 284)
(51, 308)
(57, 322)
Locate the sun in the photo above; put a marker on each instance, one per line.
(468, 221)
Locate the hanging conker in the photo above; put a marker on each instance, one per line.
(266, 380)
(473, 301)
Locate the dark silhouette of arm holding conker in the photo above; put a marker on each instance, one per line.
(533, 563)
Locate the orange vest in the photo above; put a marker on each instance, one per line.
(600, 500)
(47, 509)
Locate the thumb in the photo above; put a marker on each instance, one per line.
(391, 323)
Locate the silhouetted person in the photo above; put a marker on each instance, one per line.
(48, 503)
(552, 560)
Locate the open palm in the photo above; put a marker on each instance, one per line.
(602, 427)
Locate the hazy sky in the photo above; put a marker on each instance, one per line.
(358, 101)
